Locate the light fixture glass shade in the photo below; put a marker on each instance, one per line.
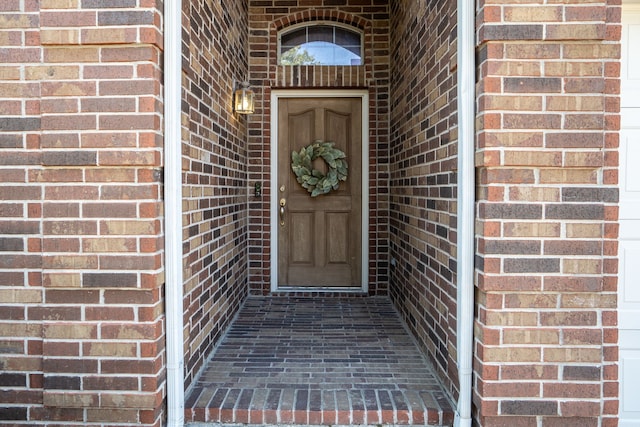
(243, 100)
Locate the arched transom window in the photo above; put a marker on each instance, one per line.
(320, 43)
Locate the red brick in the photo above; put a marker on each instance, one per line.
(71, 192)
(129, 192)
(12, 278)
(506, 389)
(20, 192)
(110, 383)
(103, 36)
(150, 349)
(69, 365)
(110, 71)
(71, 227)
(128, 122)
(133, 158)
(69, 122)
(529, 407)
(78, 296)
(109, 210)
(568, 318)
(127, 87)
(10, 5)
(529, 372)
(60, 414)
(532, 14)
(61, 348)
(533, 51)
(569, 422)
(67, 19)
(109, 314)
(583, 336)
(8, 397)
(130, 366)
(127, 331)
(70, 399)
(62, 313)
(506, 283)
(54, 140)
(20, 262)
(572, 390)
(105, 104)
(127, 296)
(586, 13)
(19, 228)
(140, 262)
(564, 31)
(575, 140)
(521, 176)
(56, 175)
(509, 421)
(110, 139)
(68, 88)
(127, 416)
(107, 244)
(531, 121)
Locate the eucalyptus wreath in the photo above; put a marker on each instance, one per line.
(314, 181)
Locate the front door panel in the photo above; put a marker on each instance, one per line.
(319, 238)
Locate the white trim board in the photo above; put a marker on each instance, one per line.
(629, 236)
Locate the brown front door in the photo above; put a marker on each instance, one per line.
(319, 238)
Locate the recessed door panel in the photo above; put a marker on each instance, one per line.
(301, 238)
(338, 241)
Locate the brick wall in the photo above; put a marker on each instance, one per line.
(423, 147)
(266, 18)
(547, 170)
(21, 376)
(214, 174)
(81, 305)
(80, 213)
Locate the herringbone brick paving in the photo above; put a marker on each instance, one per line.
(331, 361)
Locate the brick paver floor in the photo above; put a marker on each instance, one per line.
(318, 361)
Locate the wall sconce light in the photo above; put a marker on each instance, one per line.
(243, 99)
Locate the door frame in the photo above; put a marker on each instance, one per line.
(628, 231)
(276, 95)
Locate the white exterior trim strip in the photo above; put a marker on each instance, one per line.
(466, 204)
(173, 212)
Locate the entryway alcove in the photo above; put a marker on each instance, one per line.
(363, 336)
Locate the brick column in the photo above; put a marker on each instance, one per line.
(102, 263)
(85, 267)
(547, 170)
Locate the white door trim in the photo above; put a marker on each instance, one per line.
(629, 232)
(334, 93)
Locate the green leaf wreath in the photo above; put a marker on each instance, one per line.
(314, 181)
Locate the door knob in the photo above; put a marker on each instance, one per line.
(283, 202)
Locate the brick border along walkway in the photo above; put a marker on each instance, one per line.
(319, 361)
